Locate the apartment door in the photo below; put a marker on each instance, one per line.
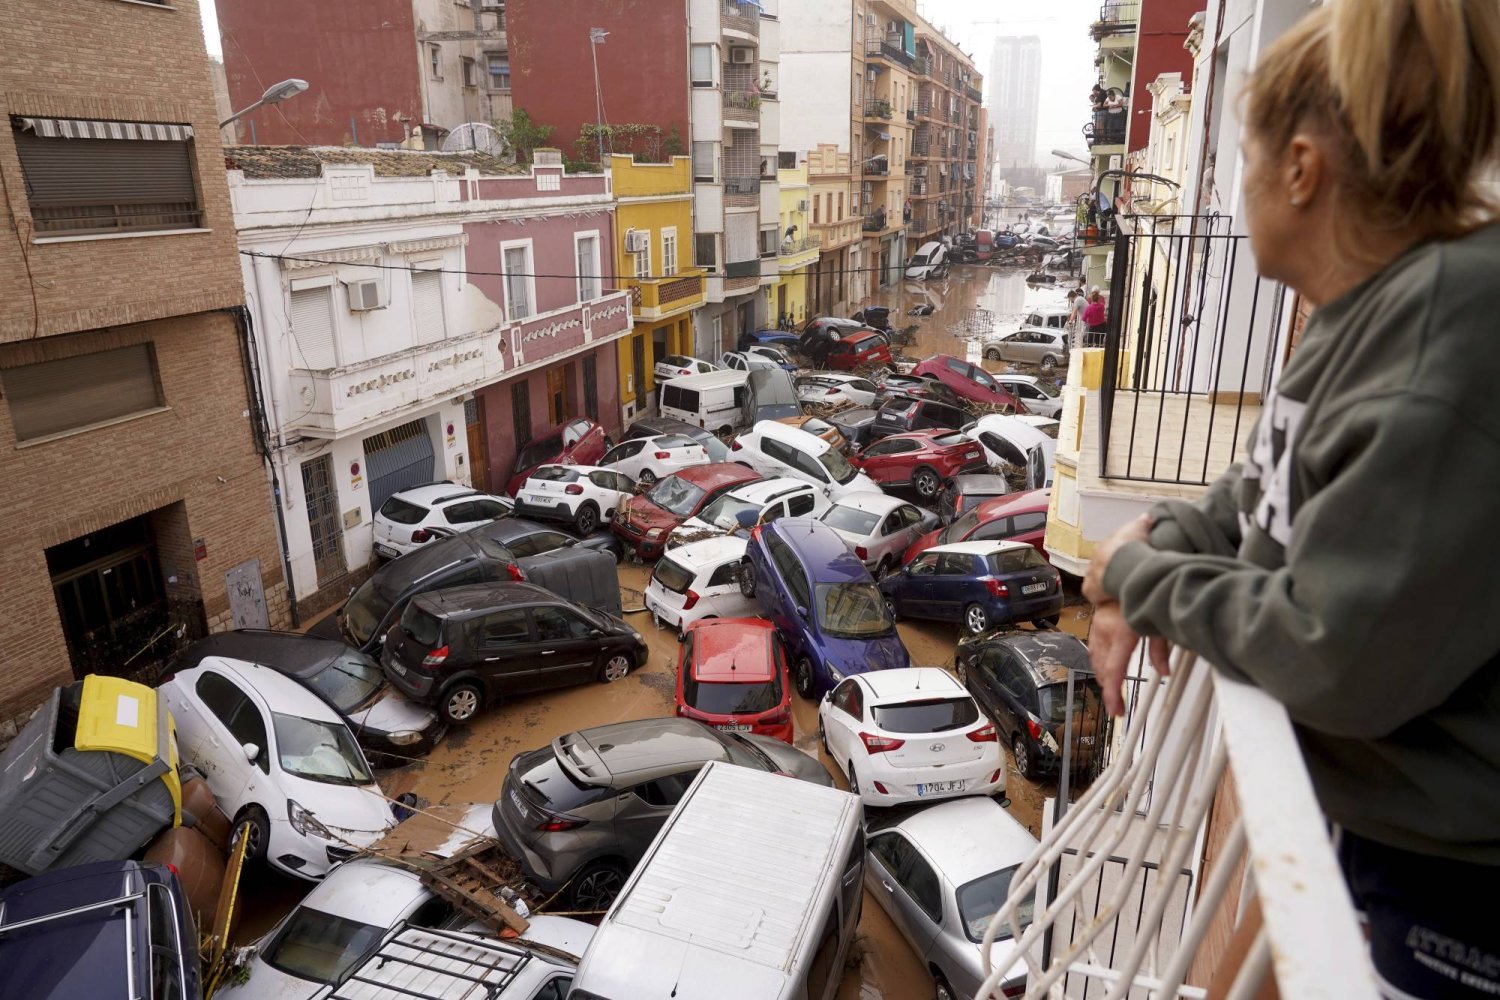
(110, 596)
(479, 458)
(322, 501)
(638, 369)
(557, 390)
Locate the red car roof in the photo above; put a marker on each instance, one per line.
(716, 474)
(730, 650)
(1014, 503)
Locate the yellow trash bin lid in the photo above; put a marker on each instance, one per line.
(120, 716)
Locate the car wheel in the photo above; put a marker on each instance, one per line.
(961, 670)
(609, 442)
(596, 887)
(747, 580)
(890, 608)
(992, 354)
(1049, 363)
(940, 988)
(823, 736)
(647, 478)
(1050, 621)
(976, 620)
(1024, 764)
(802, 676)
(926, 483)
(256, 829)
(615, 668)
(853, 780)
(883, 567)
(587, 520)
(461, 703)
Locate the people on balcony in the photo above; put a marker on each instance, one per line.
(1346, 565)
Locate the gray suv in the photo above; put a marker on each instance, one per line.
(581, 812)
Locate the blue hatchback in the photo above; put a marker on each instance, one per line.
(980, 584)
(823, 602)
(767, 338)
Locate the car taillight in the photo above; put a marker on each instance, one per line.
(435, 658)
(831, 392)
(684, 371)
(516, 572)
(984, 734)
(664, 454)
(780, 717)
(1019, 990)
(735, 446)
(421, 535)
(861, 553)
(559, 824)
(692, 598)
(1034, 728)
(880, 744)
(574, 490)
(997, 588)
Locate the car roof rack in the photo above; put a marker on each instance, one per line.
(421, 963)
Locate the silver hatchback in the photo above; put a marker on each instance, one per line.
(580, 813)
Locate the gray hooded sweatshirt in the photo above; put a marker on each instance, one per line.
(1350, 564)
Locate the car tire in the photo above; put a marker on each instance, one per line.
(926, 483)
(992, 354)
(252, 823)
(596, 886)
(646, 479)
(890, 608)
(1025, 766)
(976, 620)
(940, 988)
(747, 580)
(883, 566)
(1049, 363)
(823, 736)
(803, 677)
(586, 521)
(853, 780)
(1049, 622)
(616, 668)
(460, 703)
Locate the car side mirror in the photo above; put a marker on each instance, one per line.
(382, 638)
(906, 571)
(595, 633)
(801, 612)
(252, 752)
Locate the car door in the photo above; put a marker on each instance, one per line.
(907, 529)
(994, 529)
(624, 458)
(1010, 685)
(800, 613)
(949, 593)
(507, 651)
(233, 720)
(889, 461)
(844, 717)
(613, 487)
(583, 442)
(641, 810)
(721, 593)
(909, 886)
(916, 588)
(1029, 527)
(567, 648)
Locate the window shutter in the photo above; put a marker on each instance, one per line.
(312, 329)
(55, 396)
(427, 302)
(77, 184)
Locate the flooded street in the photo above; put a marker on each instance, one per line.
(469, 765)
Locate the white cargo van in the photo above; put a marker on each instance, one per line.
(751, 891)
(713, 400)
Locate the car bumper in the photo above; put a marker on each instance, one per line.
(670, 617)
(309, 856)
(418, 687)
(646, 548)
(380, 743)
(1022, 609)
(546, 512)
(908, 784)
(532, 864)
(392, 550)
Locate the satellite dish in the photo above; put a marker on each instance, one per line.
(475, 136)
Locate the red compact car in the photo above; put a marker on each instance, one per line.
(858, 349)
(577, 442)
(969, 381)
(645, 521)
(732, 675)
(1020, 517)
(925, 460)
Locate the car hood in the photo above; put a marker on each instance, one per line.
(791, 760)
(857, 656)
(354, 813)
(268, 983)
(392, 713)
(861, 483)
(643, 514)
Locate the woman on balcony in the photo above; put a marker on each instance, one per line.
(1347, 565)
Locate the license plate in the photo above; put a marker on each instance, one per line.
(543, 499)
(733, 727)
(515, 800)
(400, 670)
(386, 551)
(939, 787)
(971, 454)
(1033, 588)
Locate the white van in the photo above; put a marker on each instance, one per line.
(930, 261)
(751, 891)
(713, 400)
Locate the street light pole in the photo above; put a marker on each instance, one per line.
(596, 39)
(275, 94)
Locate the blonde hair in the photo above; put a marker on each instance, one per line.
(1407, 91)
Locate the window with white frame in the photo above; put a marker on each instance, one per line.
(497, 64)
(586, 253)
(427, 303)
(669, 251)
(313, 332)
(643, 257)
(435, 59)
(703, 161)
(702, 60)
(519, 282)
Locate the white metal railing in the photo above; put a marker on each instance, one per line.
(1136, 928)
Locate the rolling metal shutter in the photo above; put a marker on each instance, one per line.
(55, 396)
(109, 184)
(312, 329)
(398, 459)
(427, 302)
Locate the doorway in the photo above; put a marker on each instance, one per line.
(321, 496)
(638, 369)
(111, 598)
(479, 458)
(557, 395)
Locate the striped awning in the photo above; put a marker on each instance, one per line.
(78, 128)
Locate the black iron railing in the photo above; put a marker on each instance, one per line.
(1193, 335)
(1107, 128)
(1117, 18)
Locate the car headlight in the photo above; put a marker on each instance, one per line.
(656, 532)
(834, 673)
(404, 738)
(304, 822)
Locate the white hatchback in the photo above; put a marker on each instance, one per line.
(774, 449)
(651, 458)
(584, 496)
(908, 735)
(747, 361)
(677, 365)
(281, 763)
(411, 517)
(746, 506)
(699, 580)
(1039, 396)
(878, 528)
(836, 387)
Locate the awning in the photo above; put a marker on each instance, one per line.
(78, 128)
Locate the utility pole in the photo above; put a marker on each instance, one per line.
(596, 39)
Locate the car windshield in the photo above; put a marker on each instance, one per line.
(672, 576)
(725, 511)
(555, 474)
(837, 465)
(348, 681)
(676, 495)
(1054, 700)
(367, 607)
(402, 511)
(850, 519)
(981, 899)
(731, 699)
(1016, 560)
(320, 946)
(928, 715)
(319, 751)
(421, 626)
(852, 610)
(959, 530)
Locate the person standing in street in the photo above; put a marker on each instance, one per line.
(1346, 564)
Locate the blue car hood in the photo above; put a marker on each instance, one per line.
(856, 656)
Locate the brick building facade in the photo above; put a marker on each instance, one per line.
(134, 488)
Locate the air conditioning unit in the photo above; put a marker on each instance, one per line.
(802, 205)
(637, 241)
(491, 4)
(742, 57)
(365, 295)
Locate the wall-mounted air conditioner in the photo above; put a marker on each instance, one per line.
(365, 295)
(802, 205)
(637, 241)
(742, 57)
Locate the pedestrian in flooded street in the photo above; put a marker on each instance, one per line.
(1345, 565)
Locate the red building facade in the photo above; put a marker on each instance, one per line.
(1158, 50)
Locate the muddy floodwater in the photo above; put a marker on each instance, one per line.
(471, 763)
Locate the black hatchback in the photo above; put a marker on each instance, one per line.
(910, 413)
(465, 647)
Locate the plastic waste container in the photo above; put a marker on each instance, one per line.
(92, 777)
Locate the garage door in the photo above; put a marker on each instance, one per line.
(398, 459)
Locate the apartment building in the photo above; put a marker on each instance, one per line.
(138, 502)
(948, 184)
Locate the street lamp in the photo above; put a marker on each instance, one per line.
(1063, 155)
(596, 39)
(275, 94)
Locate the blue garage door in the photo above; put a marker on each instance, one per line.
(398, 459)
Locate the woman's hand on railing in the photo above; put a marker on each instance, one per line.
(1111, 639)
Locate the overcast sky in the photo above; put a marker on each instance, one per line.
(1067, 53)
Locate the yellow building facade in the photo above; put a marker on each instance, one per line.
(797, 250)
(654, 262)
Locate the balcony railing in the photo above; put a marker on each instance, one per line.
(890, 49)
(1123, 907)
(1193, 335)
(876, 222)
(1107, 128)
(791, 248)
(742, 17)
(974, 94)
(742, 106)
(652, 297)
(879, 167)
(922, 66)
(878, 109)
(911, 117)
(742, 192)
(1116, 19)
